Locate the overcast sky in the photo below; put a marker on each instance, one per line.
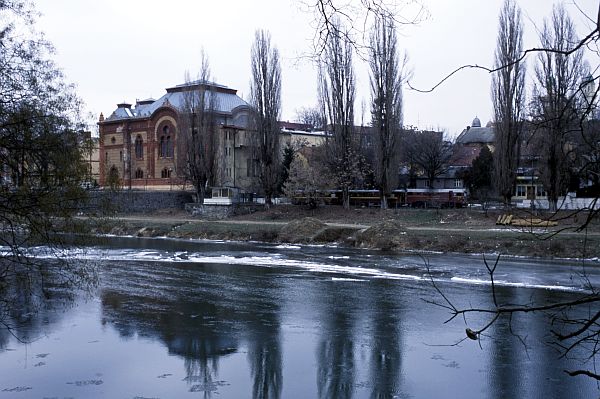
(116, 50)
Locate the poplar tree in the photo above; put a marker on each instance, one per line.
(265, 97)
(555, 114)
(508, 98)
(337, 87)
(200, 148)
(386, 104)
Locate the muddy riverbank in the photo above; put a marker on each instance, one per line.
(447, 231)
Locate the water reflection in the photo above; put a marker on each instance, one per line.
(264, 347)
(335, 351)
(190, 324)
(278, 331)
(202, 319)
(509, 351)
(387, 344)
(29, 303)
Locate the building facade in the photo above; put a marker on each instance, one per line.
(141, 144)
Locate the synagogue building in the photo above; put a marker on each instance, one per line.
(139, 144)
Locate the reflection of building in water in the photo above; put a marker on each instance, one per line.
(204, 327)
(199, 340)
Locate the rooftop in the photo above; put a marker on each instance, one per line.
(226, 100)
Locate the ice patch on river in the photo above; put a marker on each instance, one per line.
(476, 281)
(342, 265)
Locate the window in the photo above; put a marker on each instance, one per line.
(165, 149)
(161, 148)
(165, 173)
(520, 191)
(251, 167)
(139, 174)
(540, 192)
(139, 147)
(113, 140)
(427, 184)
(120, 155)
(169, 147)
(458, 183)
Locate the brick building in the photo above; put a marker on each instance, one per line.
(139, 143)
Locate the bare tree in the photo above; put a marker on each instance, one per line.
(265, 96)
(336, 94)
(508, 97)
(429, 151)
(356, 16)
(569, 332)
(554, 110)
(386, 104)
(200, 150)
(312, 116)
(42, 164)
(308, 179)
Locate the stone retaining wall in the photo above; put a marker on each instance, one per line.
(134, 201)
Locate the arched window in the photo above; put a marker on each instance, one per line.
(169, 147)
(165, 173)
(139, 147)
(162, 149)
(139, 174)
(165, 149)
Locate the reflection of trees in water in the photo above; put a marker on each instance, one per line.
(386, 355)
(30, 302)
(265, 362)
(200, 317)
(195, 330)
(508, 355)
(552, 382)
(264, 353)
(519, 340)
(262, 298)
(335, 352)
(341, 332)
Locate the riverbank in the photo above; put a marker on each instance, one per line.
(459, 231)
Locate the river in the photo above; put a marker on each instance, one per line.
(178, 319)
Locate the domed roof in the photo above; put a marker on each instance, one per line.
(476, 122)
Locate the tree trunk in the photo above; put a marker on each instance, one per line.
(383, 199)
(201, 193)
(346, 198)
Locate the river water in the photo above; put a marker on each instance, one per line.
(178, 319)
